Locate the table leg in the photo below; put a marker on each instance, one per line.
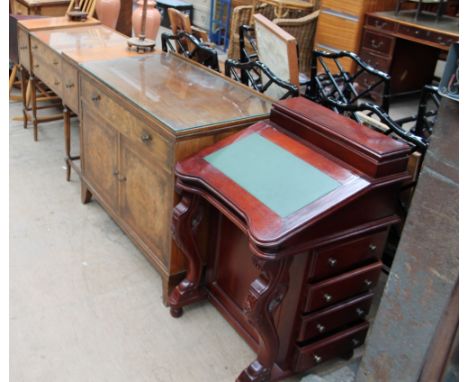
(24, 92)
(265, 294)
(184, 224)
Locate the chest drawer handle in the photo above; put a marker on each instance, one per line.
(372, 247)
(55, 62)
(375, 44)
(317, 358)
(320, 328)
(367, 283)
(23, 47)
(145, 137)
(380, 24)
(355, 342)
(332, 262)
(34, 47)
(95, 97)
(36, 66)
(327, 297)
(69, 85)
(360, 312)
(56, 83)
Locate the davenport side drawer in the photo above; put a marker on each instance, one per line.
(148, 139)
(23, 49)
(339, 288)
(70, 86)
(336, 259)
(378, 42)
(340, 344)
(332, 319)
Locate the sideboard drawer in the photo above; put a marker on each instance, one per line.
(378, 23)
(23, 49)
(49, 75)
(44, 53)
(331, 319)
(377, 42)
(339, 288)
(340, 344)
(334, 260)
(148, 139)
(70, 86)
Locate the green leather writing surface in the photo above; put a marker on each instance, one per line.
(274, 176)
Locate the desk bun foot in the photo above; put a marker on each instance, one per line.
(176, 312)
(255, 372)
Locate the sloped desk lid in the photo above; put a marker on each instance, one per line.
(272, 181)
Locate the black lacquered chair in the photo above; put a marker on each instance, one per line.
(258, 76)
(191, 47)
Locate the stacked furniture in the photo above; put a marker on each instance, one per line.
(303, 204)
(340, 23)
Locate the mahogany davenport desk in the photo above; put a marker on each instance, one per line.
(139, 116)
(304, 203)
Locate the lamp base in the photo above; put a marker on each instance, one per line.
(141, 45)
(77, 15)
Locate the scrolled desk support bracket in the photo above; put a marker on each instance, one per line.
(185, 220)
(265, 294)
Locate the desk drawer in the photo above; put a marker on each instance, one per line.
(378, 23)
(331, 319)
(339, 288)
(70, 86)
(340, 344)
(378, 42)
(336, 259)
(148, 139)
(377, 62)
(23, 49)
(441, 39)
(49, 75)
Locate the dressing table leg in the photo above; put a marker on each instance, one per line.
(184, 224)
(265, 294)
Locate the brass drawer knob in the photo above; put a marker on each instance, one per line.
(55, 62)
(34, 47)
(368, 283)
(360, 312)
(372, 247)
(145, 137)
(317, 358)
(121, 178)
(95, 98)
(69, 85)
(327, 297)
(332, 261)
(320, 328)
(56, 83)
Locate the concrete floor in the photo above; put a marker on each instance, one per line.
(85, 305)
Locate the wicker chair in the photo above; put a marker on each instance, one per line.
(303, 29)
(240, 16)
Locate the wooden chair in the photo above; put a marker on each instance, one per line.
(303, 29)
(87, 6)
(420, 3)
(181, 22)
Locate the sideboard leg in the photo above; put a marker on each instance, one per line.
(86, 195)
(67, 135)
(265, 294)
(184, 224)
(34, 106)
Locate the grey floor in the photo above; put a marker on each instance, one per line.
(85, 305)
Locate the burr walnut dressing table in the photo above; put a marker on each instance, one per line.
(303, 202)
(139, 116)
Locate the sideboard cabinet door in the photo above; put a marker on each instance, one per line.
(100, 144)
(146, 198)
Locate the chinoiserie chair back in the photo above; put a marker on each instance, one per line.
(87, 6)
(303, 29)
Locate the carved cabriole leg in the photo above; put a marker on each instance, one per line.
(265, 294)
(184, 223)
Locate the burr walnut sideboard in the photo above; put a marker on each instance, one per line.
(55, 56)
(139, 116)
(300, 207)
